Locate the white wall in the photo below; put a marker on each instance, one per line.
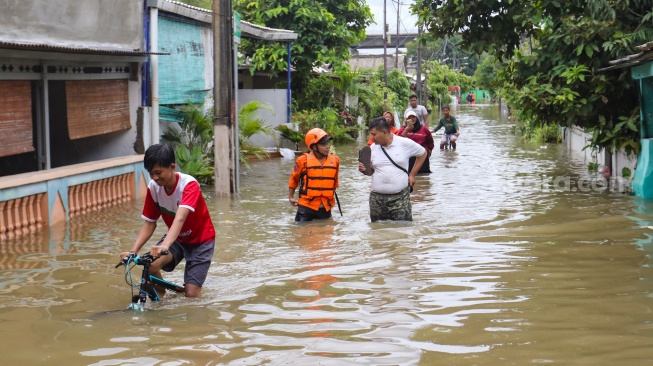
(576, 139)
(106, 24)
(276, 98)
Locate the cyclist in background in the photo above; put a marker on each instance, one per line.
(177, 199)
(451, 129)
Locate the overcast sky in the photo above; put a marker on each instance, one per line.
(407, 24)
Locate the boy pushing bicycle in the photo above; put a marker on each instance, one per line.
(177, 198)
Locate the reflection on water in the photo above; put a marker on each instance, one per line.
(500, 266)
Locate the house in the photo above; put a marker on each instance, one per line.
(641, 69)
(79, 100)
(70, 82)
(186, 74)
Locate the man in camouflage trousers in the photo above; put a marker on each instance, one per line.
(391, 181)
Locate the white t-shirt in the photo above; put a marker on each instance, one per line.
(420, 111)
(387, 178)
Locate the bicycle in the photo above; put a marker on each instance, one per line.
(146, 285)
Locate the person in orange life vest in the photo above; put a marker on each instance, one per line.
(316, 175)
(177, 199)
(391, 121)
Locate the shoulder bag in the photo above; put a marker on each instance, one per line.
(397, 165)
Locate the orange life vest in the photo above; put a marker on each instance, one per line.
(319, 179)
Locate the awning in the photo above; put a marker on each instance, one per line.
(48, 51)
(646, 55)
(249, 30)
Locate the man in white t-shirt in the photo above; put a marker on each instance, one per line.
(391, 181)
(420, 111)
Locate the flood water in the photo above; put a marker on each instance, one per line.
(501, 266)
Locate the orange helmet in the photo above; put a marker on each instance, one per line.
(313, 136)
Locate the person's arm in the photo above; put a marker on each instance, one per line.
(430, 144)
(426, 118)
(418, 164)
(409, 127)
(455, 125)
(151, 214)
(291, 196)
(173, 232)
(439, 126)
(293, 181)
(143, 236)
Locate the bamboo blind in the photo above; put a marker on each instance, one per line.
(15, 117)
(97, 107)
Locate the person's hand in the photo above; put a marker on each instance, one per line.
(124, 255)
(156, 250)
(292, 201)
(457, 133)
(411, 180)
(361, 167)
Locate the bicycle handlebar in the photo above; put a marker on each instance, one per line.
(140, 260)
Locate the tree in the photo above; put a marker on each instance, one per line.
(441, 77)
(444, 50)
(486, 74)
(326, 31)
(552, 51)
(398, 84)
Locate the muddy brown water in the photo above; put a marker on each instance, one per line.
(500, 267)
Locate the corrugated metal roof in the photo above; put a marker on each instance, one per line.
(65, 49)
(646, 55)
(248, 29)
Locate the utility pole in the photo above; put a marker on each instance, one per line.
(397, 40)
(419, 64)
(222, 95)
(385, 51)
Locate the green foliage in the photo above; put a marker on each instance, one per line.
(486, 74)
(552, 77)
(539, 133)
(326, 31)
(194, 133)
(291, 135)
(248, 126)
(593, 167)
(625, 172)
(195, 163)
(400, 86)
(196, 129)
(440, 78)
(318, 94)
(327, 119)
(621, 135)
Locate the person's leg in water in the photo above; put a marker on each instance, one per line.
(307, 214)
(155, 270)
(444, 141)
(453, 142)
(198, 261)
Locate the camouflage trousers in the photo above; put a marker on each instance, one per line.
(391, 206)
